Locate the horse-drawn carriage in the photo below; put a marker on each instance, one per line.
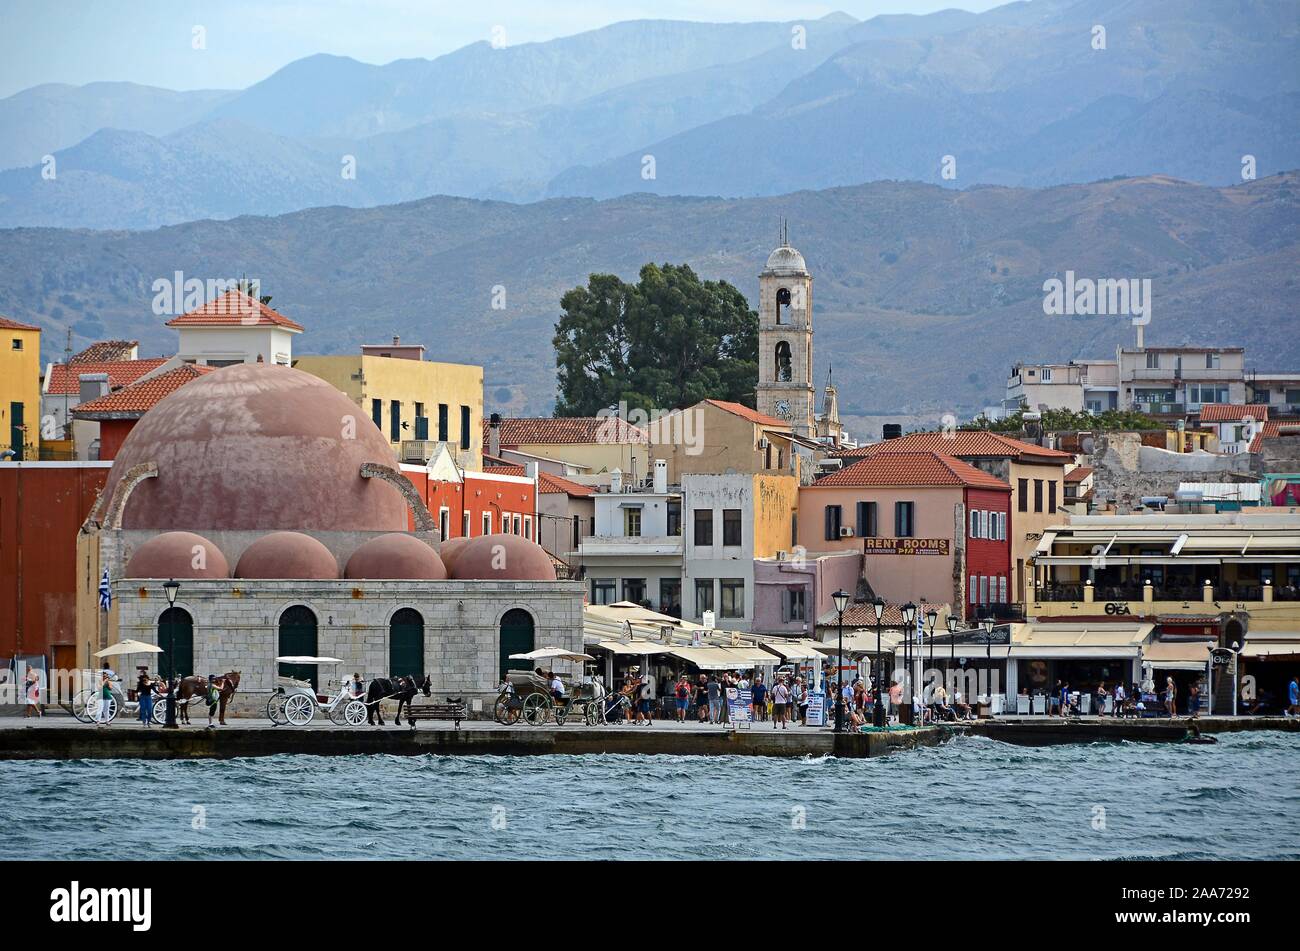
(296, 701)
(528, 697)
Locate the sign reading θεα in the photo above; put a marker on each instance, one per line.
(905, 546)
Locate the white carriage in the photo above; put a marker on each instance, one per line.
(296, 702)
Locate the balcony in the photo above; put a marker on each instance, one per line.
(636, 546)
(1002, 612)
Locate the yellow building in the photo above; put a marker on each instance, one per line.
(20, 389)
(414, 402)
(716, 436)
(592, 445)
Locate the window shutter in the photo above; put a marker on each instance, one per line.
(861, 524)
(830, 522)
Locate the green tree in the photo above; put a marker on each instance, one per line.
(665, 342)
(1063, 420)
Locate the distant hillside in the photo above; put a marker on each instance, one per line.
(1024, 94)
(923, 296)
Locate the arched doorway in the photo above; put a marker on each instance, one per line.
(298, 637)
(516, 638)
(176, 638)
(406, 644)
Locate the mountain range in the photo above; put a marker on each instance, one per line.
(923, 295)
(1026, 94)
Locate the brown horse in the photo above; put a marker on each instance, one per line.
(196, 686)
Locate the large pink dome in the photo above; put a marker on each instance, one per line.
(178, 555)
(395, 556)
(258, 447)
(287, 555)
(502, 558)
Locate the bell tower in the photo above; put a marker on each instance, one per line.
(785, 371)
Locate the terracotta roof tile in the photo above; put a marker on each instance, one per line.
(140, 397)
(911, 469)
(7, 324)
(1232, 412)
(548, 484)
(1272, 429)
(104, 351)
(234, 309)
(66, 380)
(562, 430)
(509, 470)
(1078, 473)
(753, 415)
(962, 442)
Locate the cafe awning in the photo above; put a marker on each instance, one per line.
(1177, 655)
(709, 658)
(633, 648)
(801, 649)
(1273, 645)
(1098, 640)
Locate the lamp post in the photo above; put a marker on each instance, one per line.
(909, 621)
(171, 588)
(841, 599)
(878, 718)
(952, 637)
(987, 624)
(930, 617)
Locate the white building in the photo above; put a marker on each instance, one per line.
(719, 563)
(235, 328)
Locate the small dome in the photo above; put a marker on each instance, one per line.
(395, 556)
(287, 555)
(502, 558)
(449, 550)
(785, 260)
(178, 555)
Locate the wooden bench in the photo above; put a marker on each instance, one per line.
(435, 711)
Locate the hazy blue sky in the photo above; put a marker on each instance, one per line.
(148, 41)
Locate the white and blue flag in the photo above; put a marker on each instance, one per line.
(105, 593)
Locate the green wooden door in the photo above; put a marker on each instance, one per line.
(298, 636)
(516, 638)
(176, 638)
(406, 644)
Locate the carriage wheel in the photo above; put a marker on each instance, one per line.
(354, 713)
(535, 709)
(83, 705)
(160, 711)
(561, 714)
(299, 710)
(336, 714)
(505, 712)
(275, 710)
(591, 714)
(113, 709)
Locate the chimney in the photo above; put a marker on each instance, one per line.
(92, 386)
(661, 476)
(892, 430)
(616, 480)
(494, 434)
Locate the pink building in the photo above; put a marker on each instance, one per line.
(792, 592)
(927, 525)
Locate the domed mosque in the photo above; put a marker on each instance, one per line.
(280, 509)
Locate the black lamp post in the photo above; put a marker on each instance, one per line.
(987, 624)
(909, 620)
(841, 599)
(878, 719)
(952, 637)
(930, 617)
(171, 588)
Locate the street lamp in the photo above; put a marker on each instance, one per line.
(841, 599)
(952, 636)
(878, 719)
(930, 617)
(987, 624)
(909, 619)
(171, 587)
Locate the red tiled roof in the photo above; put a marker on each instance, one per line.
(1078, 473)
(7, 324)
(753, 415)
(509, 470)
(1232, 412)
(911, 469)
(141, 396)
(104, 351)
(234, 309)
(65, 379)
(1272, 429)
(562, 430)
(548, 484)
(961, 442)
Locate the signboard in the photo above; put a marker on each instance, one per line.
(738, 705)
(816, 710)
(707, 620)
(906, 546)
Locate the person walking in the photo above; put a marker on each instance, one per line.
(780, 702)
(759, 694)
(1101, 698)
(799, 701)
(715, 699)
(1171, 696)
(144, 696)
(1293, 697)
(32, 694)
(213, 698)
(105, 698)
(682, 692)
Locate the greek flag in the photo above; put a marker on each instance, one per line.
(105, 593)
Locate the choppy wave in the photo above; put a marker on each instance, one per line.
(971, 798)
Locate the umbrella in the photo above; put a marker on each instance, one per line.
(129, 647)
(307, 659)
(552, 653)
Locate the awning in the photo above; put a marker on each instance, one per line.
(632, 648)
(707, 658)
(747, 655)
(1099, 640)
(1275, 645)
(794, 650)
(1177, 655)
